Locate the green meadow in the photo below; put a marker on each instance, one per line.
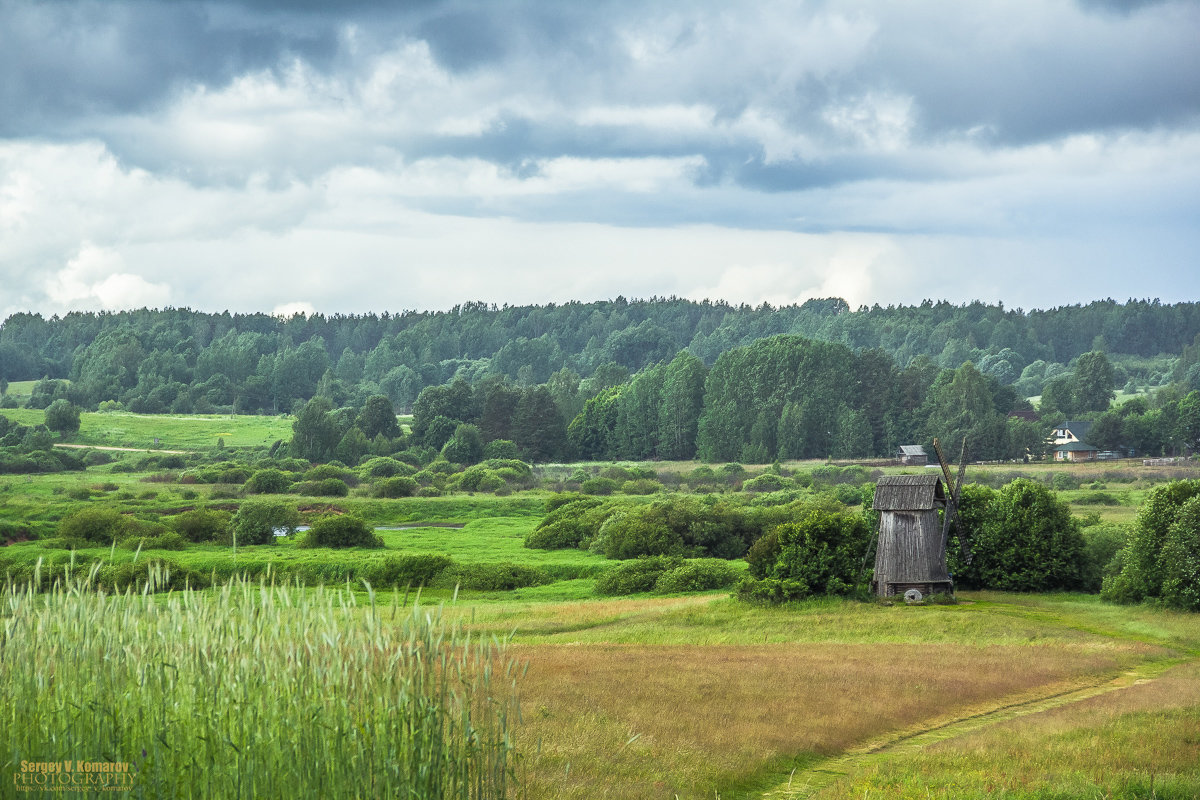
(167, 432)
(689, 695)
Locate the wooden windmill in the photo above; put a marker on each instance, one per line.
(911, 556)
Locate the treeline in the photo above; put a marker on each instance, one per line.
(178, 360)
(780, 398)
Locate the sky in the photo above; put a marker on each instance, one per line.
(364, 156)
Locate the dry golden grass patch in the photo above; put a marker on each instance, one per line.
(550, 619)
(635, 721)
(1140, 741)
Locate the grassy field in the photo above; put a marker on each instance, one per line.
(701, 696)
(269, 693)
(166, 432)
(693, 695)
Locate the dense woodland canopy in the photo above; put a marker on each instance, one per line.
(663, 378)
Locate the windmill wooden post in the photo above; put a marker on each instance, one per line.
(911, 553)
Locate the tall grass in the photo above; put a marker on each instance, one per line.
(255, 691)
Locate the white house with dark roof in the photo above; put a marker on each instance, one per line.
(1073, 430)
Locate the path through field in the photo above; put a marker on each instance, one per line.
(809, 783)
(121, 449)
(871, 757)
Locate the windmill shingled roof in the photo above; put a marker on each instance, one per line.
(909, 492)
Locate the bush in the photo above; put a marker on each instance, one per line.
(763, 554)
(471, 478)
(412, 570)
(1181, 558)
(495, 577)
(641, 486)
(1023, 537)
(1101, 543)
(1097, 499)
(15, 532)
(96, 458)
(1064, 481)
(848, 495)
(767, 482)
(501, 448)
(384, 467)
(636, 576)
(1156, 563)
(328, 487)
(821, 554)
(491, 482)
(268, 481)
(326, 472)
(341, 530)
(257, 520)
(568, 525)
(557, 501)
(97, 525)
(202, 526)
(601, 486)
(162, 576)
(637, 532)
(398, 486)
(697, 576)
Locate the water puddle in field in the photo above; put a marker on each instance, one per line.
(455, 525)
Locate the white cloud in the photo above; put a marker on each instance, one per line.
(774, 151)
(94, 278)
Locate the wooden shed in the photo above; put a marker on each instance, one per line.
(911, 553)
(913, 455)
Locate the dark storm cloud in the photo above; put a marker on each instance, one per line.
(62, 61)
(1061, 74)
(1018, 74)
(767, 139)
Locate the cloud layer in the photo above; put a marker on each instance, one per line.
(353, 157)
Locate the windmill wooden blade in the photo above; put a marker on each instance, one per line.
(953, 489)
(937, 448)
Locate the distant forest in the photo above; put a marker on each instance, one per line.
(661, 378)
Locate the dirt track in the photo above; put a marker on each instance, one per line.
(121, 449)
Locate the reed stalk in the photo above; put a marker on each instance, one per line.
(253, 691)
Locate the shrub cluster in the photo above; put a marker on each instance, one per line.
(200, 525)
(667, 575)
(257, 519)
(822, 553)
(1162, 558)
(1022, 539)
(340, 530)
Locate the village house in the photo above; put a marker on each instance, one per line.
(1073, 430)
(1076, 451)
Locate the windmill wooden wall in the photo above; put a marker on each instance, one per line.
(910, 554)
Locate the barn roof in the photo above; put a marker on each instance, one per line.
(909, 492)
(913, 450)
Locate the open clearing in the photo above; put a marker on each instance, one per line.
(702, 696)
